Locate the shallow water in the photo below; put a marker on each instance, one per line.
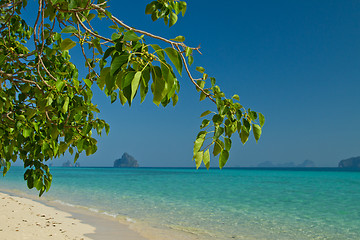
(218, 204)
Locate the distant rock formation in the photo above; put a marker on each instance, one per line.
(353, 162)
(265, 164)
(69, 164)
(307, 163)
(126, 161)
(287, 164)
(268, 164)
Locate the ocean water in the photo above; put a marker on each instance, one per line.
(215, 204)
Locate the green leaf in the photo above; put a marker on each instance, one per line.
(105, 73)
(69, 29)
(49, 101)
(252, 114)
(213, 81)
(179, 39)
(256, 131)
(72, 4)
(122, 98)
(244, 134)
(131, 36)
(198, 158)
(224, 155)
(26, 132)
(200, 69)
(175, 99)
(261, 119)
(198, 144)
(173, 19)
(236, 97)
(2, 59)
(202, 96)
(188, 51)
(175, 58)
(204, 123)
(66, 105)
(91, 16)
(217, 119)
(135, 84)
(107, 128)
(67, 44)
(218, 147)
(246, 125)
(227, 144)
(118, 62)
(154, 16)
(206, 159)
(88, 82)
(110, 83)
(218, 132)
(59, 85)
(159, 51)
(205, 113)
(145, 78)
(158, 86)
(184, 6)
(108, 14)
(76, 156)
(150, 8)
(108, 52)
(190, 60)
(128, 79)
(97, 45)
(54, 132)
(6, 168)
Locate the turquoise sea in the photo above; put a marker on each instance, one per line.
(215, 204)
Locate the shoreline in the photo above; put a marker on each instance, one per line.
(23, 217)
(94, 225)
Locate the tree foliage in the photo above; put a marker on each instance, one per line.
(46, 107)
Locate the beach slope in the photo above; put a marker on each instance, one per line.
(22, 218)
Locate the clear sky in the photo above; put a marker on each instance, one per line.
(297, 62)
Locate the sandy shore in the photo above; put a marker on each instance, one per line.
(22, 218)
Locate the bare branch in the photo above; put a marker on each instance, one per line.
(91, 32)
(6, 115)
(141, 31)
(191, 78)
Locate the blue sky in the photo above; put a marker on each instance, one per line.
(297, 62)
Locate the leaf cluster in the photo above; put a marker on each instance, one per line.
(166, 9)
(46, 108)
(218, 127)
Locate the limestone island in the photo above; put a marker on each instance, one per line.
(305, 164)
(69, 164)
(351, 163)
(126, 161)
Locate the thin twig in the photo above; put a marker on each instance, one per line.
(192, 79)
(141, 31)
(91, 32)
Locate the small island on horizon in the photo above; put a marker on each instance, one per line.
(269, 164)
(350, 163)
(126, 161)
(69, 164)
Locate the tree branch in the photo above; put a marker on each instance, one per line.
(191, 78)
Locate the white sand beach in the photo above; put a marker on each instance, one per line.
(23, 218)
